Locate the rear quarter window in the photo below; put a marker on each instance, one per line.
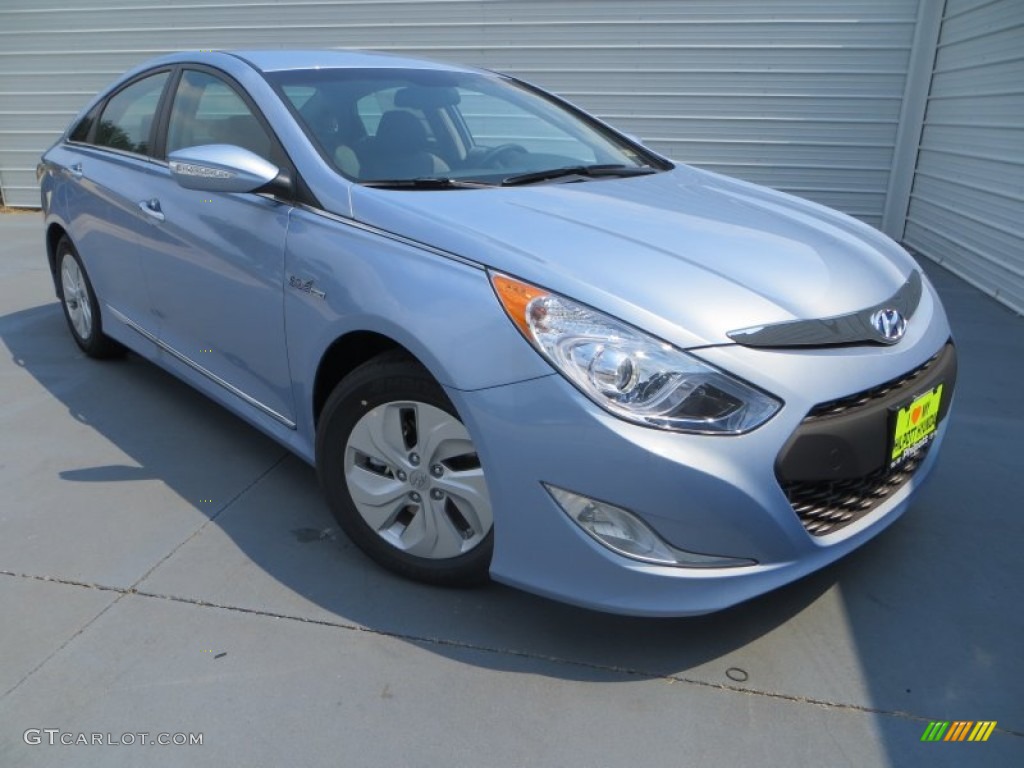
(80, 131)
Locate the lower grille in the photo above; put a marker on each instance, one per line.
(834, 469)
(825, 506)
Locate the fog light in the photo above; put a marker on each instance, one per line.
(625, 533)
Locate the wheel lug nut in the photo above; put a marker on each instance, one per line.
(437, 470)
(401, 475)
(414, 495)
(414, 459)
(436, 494)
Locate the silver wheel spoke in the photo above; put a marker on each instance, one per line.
(76, 299)
(86, 314)
(440, 437)
(469, 492)
(68, 280)
(431, 532)
(373, 433)
(379, 498)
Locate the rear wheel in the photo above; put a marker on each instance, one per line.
(402, 475)
(81, 309)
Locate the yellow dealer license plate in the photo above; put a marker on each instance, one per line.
(914, 426)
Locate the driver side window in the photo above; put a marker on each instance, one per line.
(209, 111)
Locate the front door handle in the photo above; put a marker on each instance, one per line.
(151, 208)
(75, 171)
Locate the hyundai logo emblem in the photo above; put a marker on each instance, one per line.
(889, 324)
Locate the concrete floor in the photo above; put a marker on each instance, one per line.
(164, 568)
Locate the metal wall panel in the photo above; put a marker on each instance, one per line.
(967, 202)
(802, 95)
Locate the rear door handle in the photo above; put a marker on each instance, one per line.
(75, 171)
(151, 208)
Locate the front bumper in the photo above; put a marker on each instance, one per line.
(714, 495)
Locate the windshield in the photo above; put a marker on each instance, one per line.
(380, 126)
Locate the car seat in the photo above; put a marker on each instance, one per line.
(400, 150)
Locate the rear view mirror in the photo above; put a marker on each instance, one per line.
(221, 168)
(425, 97)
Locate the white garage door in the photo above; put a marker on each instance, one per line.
(803, 95)
(967, 203)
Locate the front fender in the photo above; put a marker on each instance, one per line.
(343, 277)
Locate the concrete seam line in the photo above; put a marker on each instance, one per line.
(211, 518)
(627, 671)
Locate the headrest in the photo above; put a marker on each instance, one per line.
(400, 132)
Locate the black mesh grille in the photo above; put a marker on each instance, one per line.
(828, 505)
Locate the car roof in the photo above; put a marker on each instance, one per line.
(280, 60)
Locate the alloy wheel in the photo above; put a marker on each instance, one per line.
(416, 480)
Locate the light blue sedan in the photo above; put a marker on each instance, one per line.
(514, 342)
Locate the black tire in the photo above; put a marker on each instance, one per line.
(88, 334)
(396, 382)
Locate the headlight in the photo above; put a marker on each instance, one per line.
(628, 372)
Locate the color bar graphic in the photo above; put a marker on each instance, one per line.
(958, 730)
(982, 730)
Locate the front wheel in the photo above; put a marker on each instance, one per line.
(402, 476)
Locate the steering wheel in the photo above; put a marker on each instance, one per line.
(492, 157)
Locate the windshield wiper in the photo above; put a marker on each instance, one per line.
(594, 171)
(425, 182)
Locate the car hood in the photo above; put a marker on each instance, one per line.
(685, 254)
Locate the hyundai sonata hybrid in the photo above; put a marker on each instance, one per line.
(513, 341)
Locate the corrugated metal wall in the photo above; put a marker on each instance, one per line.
(803, 95)
(967, 203)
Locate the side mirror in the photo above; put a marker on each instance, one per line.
(221, 168)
